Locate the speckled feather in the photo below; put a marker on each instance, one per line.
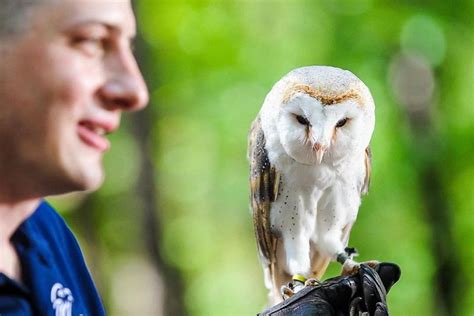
(264, 181)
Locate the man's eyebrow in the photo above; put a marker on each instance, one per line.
(110, 26)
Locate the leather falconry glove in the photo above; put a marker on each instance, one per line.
(361, 294)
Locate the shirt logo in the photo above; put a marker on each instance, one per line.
(61, 298)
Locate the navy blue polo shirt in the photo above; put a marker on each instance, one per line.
(56, 280)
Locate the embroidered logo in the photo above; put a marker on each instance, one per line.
(61, 298)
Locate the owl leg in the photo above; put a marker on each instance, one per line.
(298, 263)
(349, 266)
(274, 278)
(349, 253)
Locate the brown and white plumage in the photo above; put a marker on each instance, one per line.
(309, 165)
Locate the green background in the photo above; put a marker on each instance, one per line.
(209, 65)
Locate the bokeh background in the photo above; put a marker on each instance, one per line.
(170, 232)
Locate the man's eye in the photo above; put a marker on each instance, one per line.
(92, 46)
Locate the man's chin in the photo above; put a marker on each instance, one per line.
(88, 181)
(88, 174)
(92, 184)
(79, 170)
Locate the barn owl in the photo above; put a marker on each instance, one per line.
(309, 166)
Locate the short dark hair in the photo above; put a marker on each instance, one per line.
(15, 15)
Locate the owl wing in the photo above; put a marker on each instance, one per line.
(264, 183)
(368, 171)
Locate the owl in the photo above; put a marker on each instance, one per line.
(310, 163)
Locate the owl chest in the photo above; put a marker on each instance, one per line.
(300, 191)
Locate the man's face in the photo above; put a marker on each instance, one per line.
(63, 85)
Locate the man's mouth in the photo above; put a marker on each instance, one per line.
(93, 134)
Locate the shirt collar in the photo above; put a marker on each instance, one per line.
(27, 238)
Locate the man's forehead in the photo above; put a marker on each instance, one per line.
(116, 14)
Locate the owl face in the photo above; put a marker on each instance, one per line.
(312, 132)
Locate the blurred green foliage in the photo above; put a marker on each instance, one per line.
(209, 65)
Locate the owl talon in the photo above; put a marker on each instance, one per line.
(293, 287)
(371, 263)
(312, 282)
(351, 267)
(286, 291)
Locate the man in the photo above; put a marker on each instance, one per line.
(67, 73)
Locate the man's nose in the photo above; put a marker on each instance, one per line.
(124, 88)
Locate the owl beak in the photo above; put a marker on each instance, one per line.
(320, 150)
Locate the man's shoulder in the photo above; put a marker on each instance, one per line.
(45, 214)
(47, 225)
(54, 264)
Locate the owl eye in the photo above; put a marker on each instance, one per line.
(342, 122)
(302, 120)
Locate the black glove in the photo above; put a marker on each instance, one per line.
(358, 295)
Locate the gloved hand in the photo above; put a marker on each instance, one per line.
(362, 294)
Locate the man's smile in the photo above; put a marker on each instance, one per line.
(92, 133)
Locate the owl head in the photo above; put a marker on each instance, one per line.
(319, 114)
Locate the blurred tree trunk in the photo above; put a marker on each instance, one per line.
(147, 194)
(417, 82)
(85, 216)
